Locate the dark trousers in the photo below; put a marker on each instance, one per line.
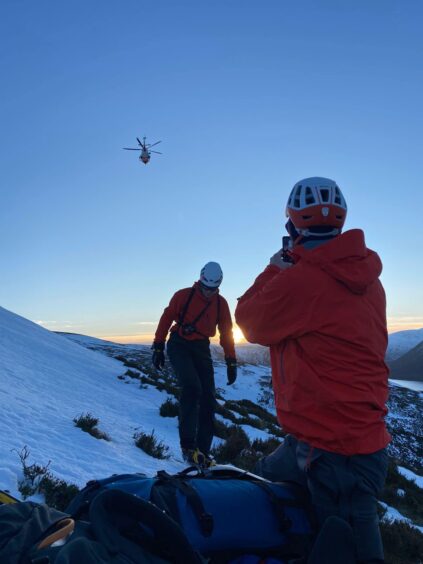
(341, 486)
(192, 363)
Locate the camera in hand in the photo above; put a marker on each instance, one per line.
(286, 248)
(187, 329)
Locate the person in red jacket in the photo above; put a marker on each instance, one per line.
(195, 312)
(321, 309)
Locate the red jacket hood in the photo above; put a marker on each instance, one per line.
(346, 259)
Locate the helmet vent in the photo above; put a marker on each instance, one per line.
(297, 196)
(324, 195)
(338, 196)
(309, 198)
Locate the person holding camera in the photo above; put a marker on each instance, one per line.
(321, 309)
(195, 313)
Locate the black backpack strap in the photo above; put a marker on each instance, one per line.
(186, 306)
(184, 311)
(278, 505)
(202, 312)
(205, 520)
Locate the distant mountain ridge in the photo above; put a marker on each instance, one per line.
(401, 342)
(408, 366)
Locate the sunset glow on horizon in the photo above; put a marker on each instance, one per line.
(394, 324)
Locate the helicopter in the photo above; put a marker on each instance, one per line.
(145, 149)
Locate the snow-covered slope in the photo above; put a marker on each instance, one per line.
(405, 405)
(401, 342)
(46, 380)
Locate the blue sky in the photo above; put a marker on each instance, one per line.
(247, 98)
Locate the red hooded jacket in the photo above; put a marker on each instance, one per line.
(214, 315)
(325, 322)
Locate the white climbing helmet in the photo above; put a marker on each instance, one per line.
(211, 275)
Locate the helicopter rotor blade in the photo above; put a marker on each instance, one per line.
(157, 142)
(139, 141)
(130, 149)
(156, 152)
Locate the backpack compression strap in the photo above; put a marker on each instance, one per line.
(205, 520)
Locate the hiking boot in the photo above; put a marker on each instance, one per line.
(193, 456)
(209, 461)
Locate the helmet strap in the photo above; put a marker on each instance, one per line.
(320, 235)
(294, 233)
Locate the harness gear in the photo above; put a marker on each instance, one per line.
(190, 328)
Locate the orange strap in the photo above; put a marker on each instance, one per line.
(65, 527)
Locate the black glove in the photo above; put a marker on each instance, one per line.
(158, 358)
(231, 369)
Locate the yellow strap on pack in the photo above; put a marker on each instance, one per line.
(7, 498)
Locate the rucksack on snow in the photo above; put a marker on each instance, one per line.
(224, 511)
(219, 515)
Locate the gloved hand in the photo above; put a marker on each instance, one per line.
(158, 358)
(277, 260)
(231, 369)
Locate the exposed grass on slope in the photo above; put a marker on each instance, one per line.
(37, 479)
(87, 423)
(149, 443)
(169, 408)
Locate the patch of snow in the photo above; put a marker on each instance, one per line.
(409, 384)
(255, 433)
(393, 514)
(223, 419)
(411, 476)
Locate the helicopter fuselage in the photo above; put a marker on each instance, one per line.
(145, 157)
(144, 147)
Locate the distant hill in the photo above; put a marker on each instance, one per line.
(409, 366)
(402, 342)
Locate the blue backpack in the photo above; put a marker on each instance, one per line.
(224, 512)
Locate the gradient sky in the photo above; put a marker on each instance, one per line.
(247, 97)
